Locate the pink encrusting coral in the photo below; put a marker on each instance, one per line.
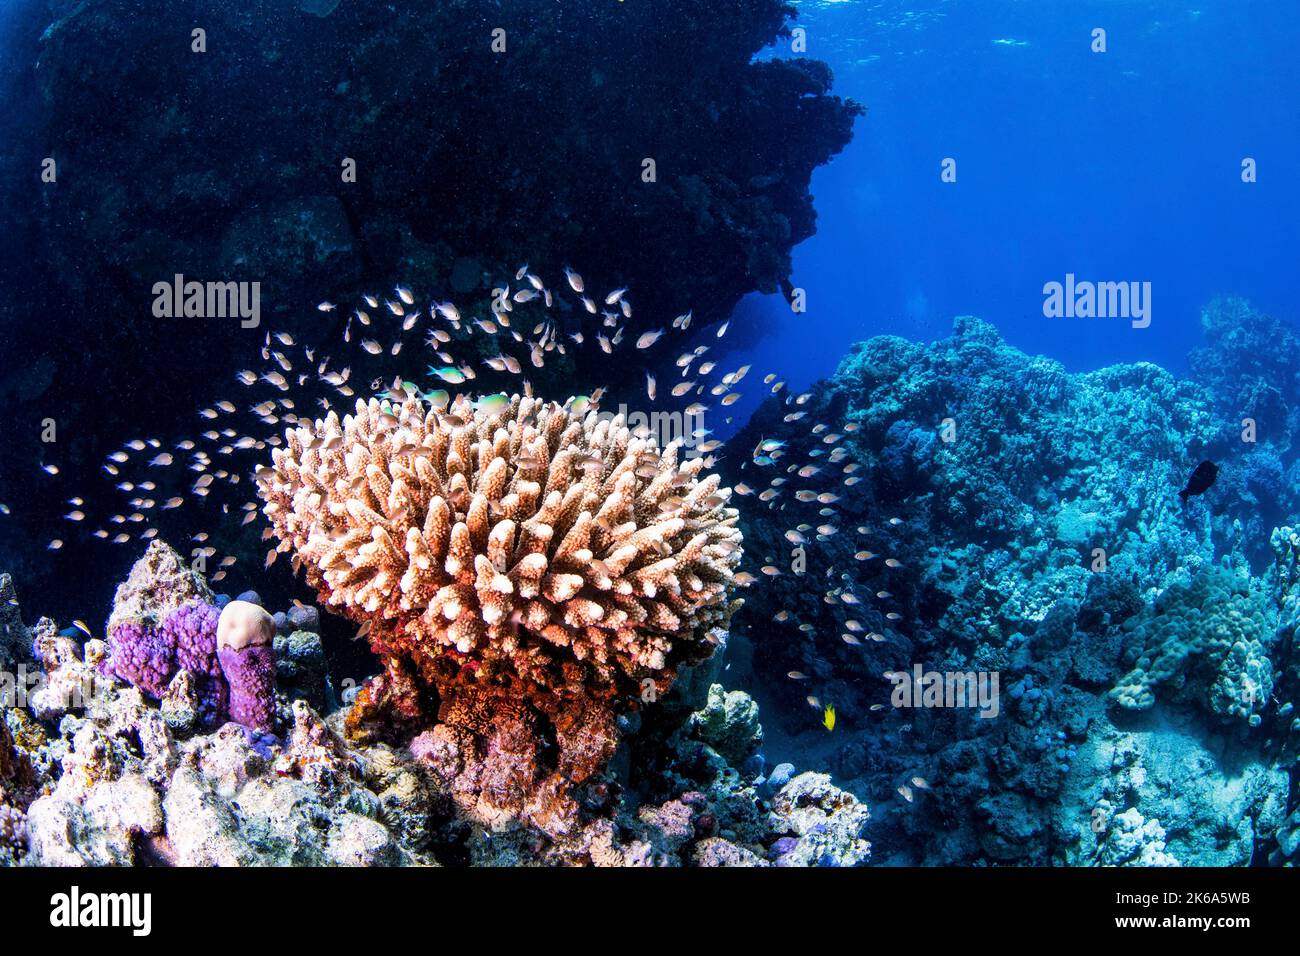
(139, 655)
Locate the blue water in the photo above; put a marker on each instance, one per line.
(1123, 165)
(1115, 166)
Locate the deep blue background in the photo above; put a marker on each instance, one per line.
(1116, 166)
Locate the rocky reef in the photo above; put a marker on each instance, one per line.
(109, 777)
(524, 120)
(1011, 638)
(1020, 522)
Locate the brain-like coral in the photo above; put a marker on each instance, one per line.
(525, 569)
(1207, 642)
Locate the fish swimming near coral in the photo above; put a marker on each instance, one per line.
(1202, 480)
(77, 630)
(332, 374)
(524, 535)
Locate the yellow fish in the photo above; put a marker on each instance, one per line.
(828, 717)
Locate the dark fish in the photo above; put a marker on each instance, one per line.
(77, 631)
(1201, 481)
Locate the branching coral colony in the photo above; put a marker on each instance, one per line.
(526, 571)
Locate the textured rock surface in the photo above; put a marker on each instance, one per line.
(822, 824)
(1004, 474)
(234, 798)
(1209, 641)
(15, 642)
(1209, 811)
(121, 779)
(160, 582)
(720, 222)
(729, 724)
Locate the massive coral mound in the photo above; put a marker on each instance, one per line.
(1249, 365)
(532, 150)
(531, 114)
(1040, 538)
(185, 641)
(1210, 641)
(1026, 439)
(533, 566)
(528, 112)
(1005, 471)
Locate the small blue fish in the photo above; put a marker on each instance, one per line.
(449, 374)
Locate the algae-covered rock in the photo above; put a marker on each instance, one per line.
(729, 724)
(159, 582)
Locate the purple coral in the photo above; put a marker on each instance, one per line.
(236, 681)
(139, 655)
(149, 657)
(245, 635)
(191, 630)
(250, 672)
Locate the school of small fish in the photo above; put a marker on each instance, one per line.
(527, 322)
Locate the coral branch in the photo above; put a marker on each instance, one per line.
(526, 573)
